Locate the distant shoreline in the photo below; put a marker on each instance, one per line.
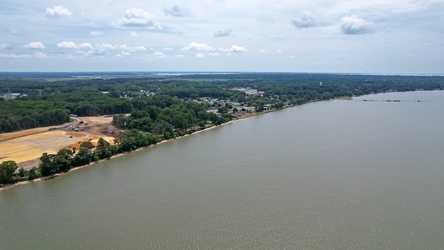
(20, 183)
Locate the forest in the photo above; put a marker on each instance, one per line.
(49, 99)
(150, 108)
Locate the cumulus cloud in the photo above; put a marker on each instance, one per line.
(14, 56)
(139, 48)
(263, 51)
(131, 49)
(67, 45)
(40, 55)
(107, 46)
(168, 49)
(352, 25)
(125, 47)
(177, 10)
(96, 33)
(136, 17)
(235, 49)
(97, 52)
(222, 33)
(85, 46)
(123, 53)
(305, 19)
(34, 45)
(198, 47)
(57, 11)
(73, 45)
(159, 54)
(200, 56)
(134, 34)
(213, 54)
(4, 46)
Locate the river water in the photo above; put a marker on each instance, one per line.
(326, 175)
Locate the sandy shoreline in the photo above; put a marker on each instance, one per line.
(7, 186)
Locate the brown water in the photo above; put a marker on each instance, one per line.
(327, 175)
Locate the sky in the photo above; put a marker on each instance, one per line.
(329, 36)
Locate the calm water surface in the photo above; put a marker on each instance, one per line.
(327, 175)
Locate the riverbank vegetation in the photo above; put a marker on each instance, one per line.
(150, 108)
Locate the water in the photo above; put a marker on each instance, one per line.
(326, 175)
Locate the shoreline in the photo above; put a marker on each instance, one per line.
(21, 183)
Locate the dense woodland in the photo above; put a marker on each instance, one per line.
(162, 106)
(49, 101)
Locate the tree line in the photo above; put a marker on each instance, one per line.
(49, 102)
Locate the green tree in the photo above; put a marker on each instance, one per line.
(34, 174)
(87, 144)
(63, 160)
(103, 149)
(7, 169)
(47, 166)
(83, 157)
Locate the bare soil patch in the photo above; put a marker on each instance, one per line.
(25, 147)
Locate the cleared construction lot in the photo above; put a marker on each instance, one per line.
(25, 147)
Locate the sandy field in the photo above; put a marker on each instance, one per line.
(25, 147)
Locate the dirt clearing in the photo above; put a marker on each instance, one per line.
(25, 147)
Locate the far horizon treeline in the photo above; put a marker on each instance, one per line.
(49, 103)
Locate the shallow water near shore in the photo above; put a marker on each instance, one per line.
(337, 174)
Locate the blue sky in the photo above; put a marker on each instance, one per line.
(341, 36)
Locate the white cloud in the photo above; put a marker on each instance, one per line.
(125, 47)
(263, 51)
(180, 56)
(40, 55)
(198, 47)
(177, 10)
(200, 55)
(235, 49)
(85, 46)
(213, 54)
(4, 46)
(14, 56)
(67, 45)
(73, 45)
(279, 51)
(159, 54)
(354, 25)
(131, 49)
(168, 49)
(107, 46)
(34, 45)
(222, 33)
(305, 19)
(139, 48)
(123, 53)
(57, 11)
(96, 33)
(134, 34)
(136, 17)
(291, 56)
(97, 52)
